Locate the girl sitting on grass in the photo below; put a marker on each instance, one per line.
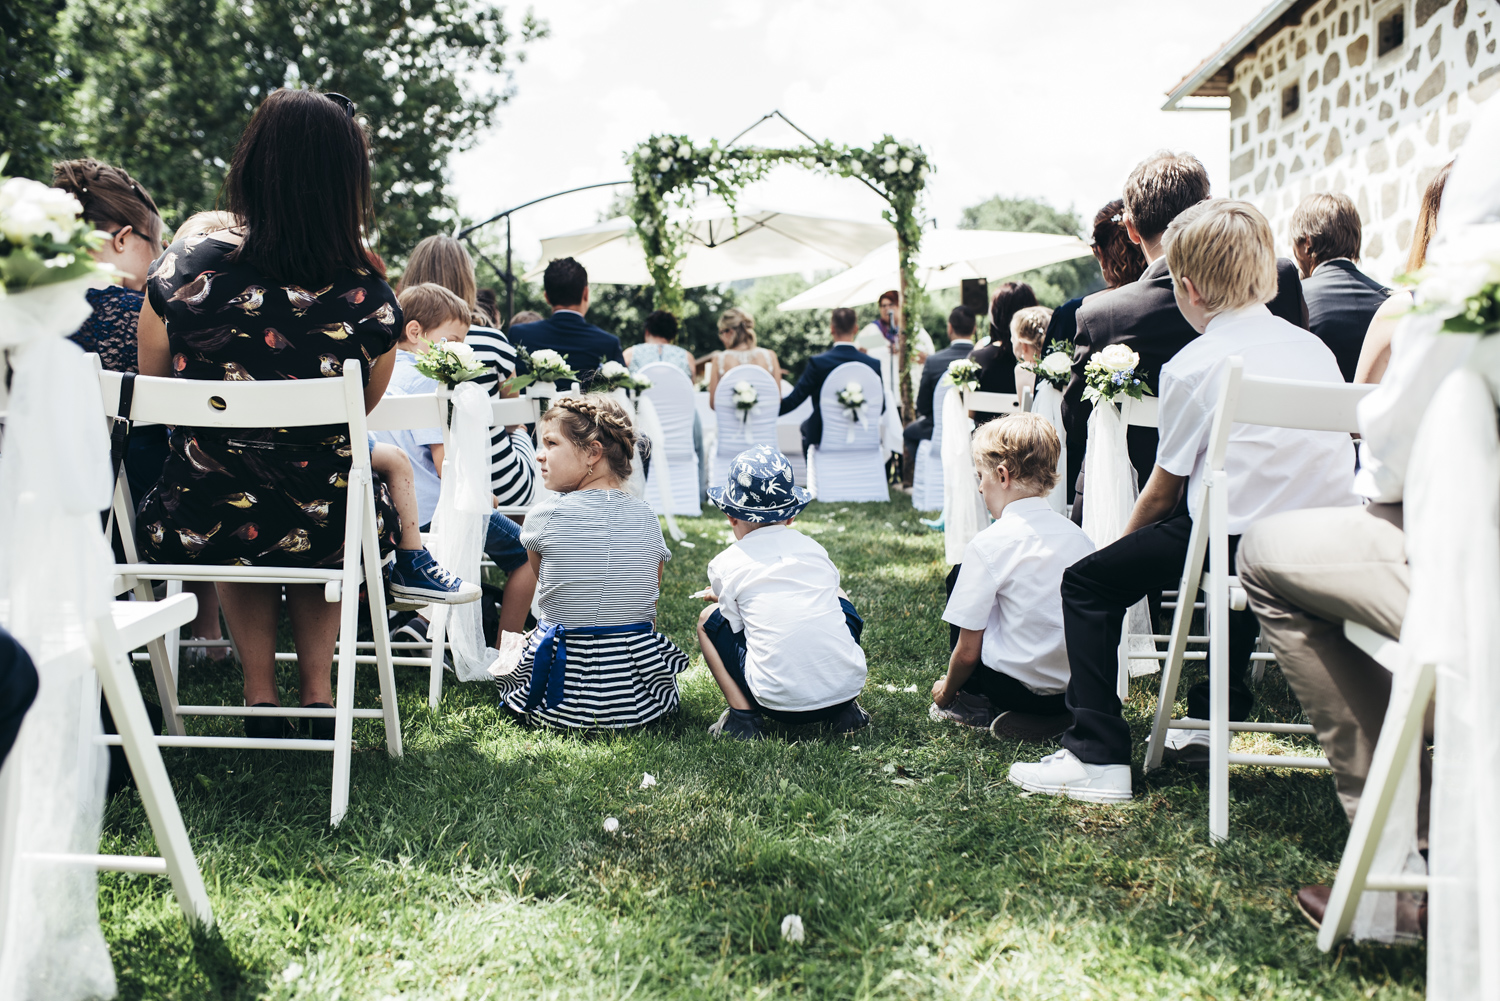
(595, 659)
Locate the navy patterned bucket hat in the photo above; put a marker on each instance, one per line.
(760, 488)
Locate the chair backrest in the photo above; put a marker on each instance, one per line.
(407, 413)
(280, 404)
(1142, 413)
(939, 394)
(991, 403)
(1281, 403)
(837, 422)
(732, 430)
(671, 393)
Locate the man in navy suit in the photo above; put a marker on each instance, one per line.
(1341, 299)
(816, 373)
(585, 346)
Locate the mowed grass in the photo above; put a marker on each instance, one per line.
(478, 865)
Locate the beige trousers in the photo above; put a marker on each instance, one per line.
(1305, 573)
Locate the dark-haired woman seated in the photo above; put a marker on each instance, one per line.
(291, 294)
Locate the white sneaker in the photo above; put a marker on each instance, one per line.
(1187, 747)
(1062, 774)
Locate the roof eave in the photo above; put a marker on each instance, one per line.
(1246, 37)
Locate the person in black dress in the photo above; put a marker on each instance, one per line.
(997, 359)
(291, 294)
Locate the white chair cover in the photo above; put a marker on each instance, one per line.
(1048, 403)
(789, 435)
(671, 396)
(849, 463)
(54, 572)
(1110, 490)
(734, 434)
(964, 516)
(927, 476)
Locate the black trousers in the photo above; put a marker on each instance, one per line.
(1004, 692)
(1096, 592)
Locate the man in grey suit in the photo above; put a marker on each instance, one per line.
(1341, 299)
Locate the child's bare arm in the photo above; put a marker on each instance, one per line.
(961, 664)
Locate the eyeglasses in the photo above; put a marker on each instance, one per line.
(342, 102)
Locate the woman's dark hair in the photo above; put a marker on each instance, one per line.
(662, 324)
(300, 179)
(1119, 258)
(1010, 298)
(110, 197)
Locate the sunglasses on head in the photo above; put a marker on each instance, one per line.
(342, 102)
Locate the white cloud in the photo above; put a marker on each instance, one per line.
(1056, 100)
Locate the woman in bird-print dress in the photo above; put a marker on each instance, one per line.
(292, 294)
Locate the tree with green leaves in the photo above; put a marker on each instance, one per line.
(1056, 283)
(168, 86)
(36, 84)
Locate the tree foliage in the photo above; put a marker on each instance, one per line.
(36, 84)
(1056, 283)
(168, 86)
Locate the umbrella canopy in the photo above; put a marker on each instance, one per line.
(948, 256)
(721, 247)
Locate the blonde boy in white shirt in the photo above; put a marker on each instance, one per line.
(1009, 663)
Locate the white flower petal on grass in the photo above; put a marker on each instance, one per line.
(909, 688)
(611, 825)
(648, 780)
(791, 928)
(292, 972)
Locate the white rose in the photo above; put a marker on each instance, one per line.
(462, 352)
(642, 382)
(613, 370)
(664, 164)
(856, 167)
(891, 149)
(888, 165)
(1118, 358)
(547, 358)
(1056, 363)
(907, 165)
(665, 144)
(684, 151)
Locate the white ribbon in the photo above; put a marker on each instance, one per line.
(745, 414)
(649, 424)
(1048, 404)
(964, 513)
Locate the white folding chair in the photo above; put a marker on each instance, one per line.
(736, 435)
(848, 465)
(1003, 404)
(1282, 403)
(105, 643)
(282, 404)
(671, 393)
(927, 474)
(1412, 688)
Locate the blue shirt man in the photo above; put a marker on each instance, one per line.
(810, 386)
(583, 345)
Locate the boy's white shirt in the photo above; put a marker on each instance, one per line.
(1269, 469)
(1010, 586)
(780, 589)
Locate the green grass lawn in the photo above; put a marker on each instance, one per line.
(478, 865)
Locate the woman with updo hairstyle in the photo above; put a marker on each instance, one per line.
(595, 660)
(737, 331)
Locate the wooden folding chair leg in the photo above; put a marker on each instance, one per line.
(1412, 689)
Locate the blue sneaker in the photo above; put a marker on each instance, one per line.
(416, 577)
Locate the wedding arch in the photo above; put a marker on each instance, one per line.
(665, 170)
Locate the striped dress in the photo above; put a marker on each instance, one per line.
(513, 473)
(601, 551)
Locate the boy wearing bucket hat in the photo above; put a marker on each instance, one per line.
(782, 641)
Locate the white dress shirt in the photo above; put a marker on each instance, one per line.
(1269, 469)
(1010, 585)
(781, 590)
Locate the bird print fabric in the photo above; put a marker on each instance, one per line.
(260, 496)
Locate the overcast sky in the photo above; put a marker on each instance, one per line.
(1056, 99)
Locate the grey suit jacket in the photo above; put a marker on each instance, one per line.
(1341, 300)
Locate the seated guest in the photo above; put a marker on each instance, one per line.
(996, 358)
(432, 313)
(1009, 663)
(1028, 332)
(1341, 299)
(960, 343)
(810, 386)
(592, 663)
(737, 332)
(525, 316)
(1375, 352)
(1223, 265)
(782, 639)
(1143, 315)
(18, 687)
(660, 332)
(487, 302)
(565, 283)
(879, 338)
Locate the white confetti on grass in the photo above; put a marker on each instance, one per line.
(292, 972)
(611, 825)
(648, 780)
(791, 928)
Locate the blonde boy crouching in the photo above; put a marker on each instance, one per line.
(1009, 663)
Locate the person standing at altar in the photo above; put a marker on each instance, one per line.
(565, 283)
(1143, 315)
(1341, 299)
(1223, 267)
(960, 343)
(879, 340)
(810, 386)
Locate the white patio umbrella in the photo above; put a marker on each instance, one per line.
(721, 248)
(947, 257)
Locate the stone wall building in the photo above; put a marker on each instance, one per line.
(1365, 97)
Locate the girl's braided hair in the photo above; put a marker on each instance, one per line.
(599, 417)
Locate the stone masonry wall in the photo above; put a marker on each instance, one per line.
(1320, 107)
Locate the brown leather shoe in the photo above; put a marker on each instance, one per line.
(1312, 901)
(1411, 910)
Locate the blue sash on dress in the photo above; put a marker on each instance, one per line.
(549, 665)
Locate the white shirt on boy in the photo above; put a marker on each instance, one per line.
(1010, 585)
(780, 589)
(1270, 470)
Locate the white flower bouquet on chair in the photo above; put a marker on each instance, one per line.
(545, 366)
(612, 376)
(852, 399)
(745, 401)
(1054, 370)
(450, 362)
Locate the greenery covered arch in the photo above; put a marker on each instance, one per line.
(665, 170)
